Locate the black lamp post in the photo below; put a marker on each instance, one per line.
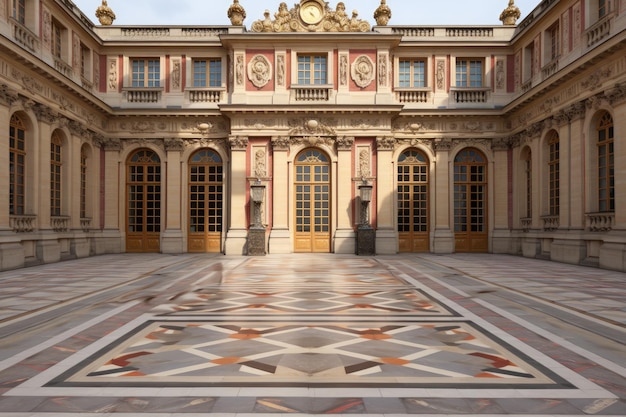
(256, 234)
(365, 235)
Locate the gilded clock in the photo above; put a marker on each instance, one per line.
(311, 12)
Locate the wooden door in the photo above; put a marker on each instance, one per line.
(470, 202)
(413, 205)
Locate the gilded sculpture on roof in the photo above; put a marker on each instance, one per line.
(311, 16)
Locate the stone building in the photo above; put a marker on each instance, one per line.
(501, 139)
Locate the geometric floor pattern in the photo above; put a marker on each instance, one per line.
(303, 335)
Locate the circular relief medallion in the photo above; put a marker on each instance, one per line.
(259, 71)
(363, 71)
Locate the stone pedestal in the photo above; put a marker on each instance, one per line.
(366, 241)
(256, 242)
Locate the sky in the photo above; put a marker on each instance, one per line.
(214, 12)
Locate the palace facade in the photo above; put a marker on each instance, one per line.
(501, 139)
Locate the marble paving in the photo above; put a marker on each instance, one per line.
(316, 334)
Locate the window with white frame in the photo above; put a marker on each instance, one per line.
(312, 69)
(146, 72)
(412, 73)
(469, 72)
(207, 72)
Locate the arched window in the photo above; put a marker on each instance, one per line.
(606, 167)
(17, 165)
(554, 172)
(56, 165)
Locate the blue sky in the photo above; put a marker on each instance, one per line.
(213, 12)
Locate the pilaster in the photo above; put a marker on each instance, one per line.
(237, 234)
(344, 236)
(443, 238)
(386, 234)
(172, 240)
(280, 240)
(502, 216)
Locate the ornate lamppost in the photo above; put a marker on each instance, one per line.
(365, 235)
(256, 234)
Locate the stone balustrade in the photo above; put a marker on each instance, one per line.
(23, 223)
(550, 223)
(600, 222)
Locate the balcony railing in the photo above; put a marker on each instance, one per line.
(312, 93)
(60, 223)
(143, 95)
(599, 30)
(526, 223)
(470, 95)
(25, 37)
(550, 68)
(62, 67)
(85, 224)
(199, 95)
(600, 222)
(550, 223)
(23, 223)
(412, 95)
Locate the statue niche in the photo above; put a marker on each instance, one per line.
(311, 16)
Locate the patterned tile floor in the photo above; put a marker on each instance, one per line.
(190, 335)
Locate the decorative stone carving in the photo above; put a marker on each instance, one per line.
(382, 15)
(511, 14)
(316, 17)
(174, 144)
(500, 74)
(260, 170)
(176, 76)
(280, 143)
(382, 70)
(343, 70)
(386, 143)
(112, 74)
(280, 70)
(595, 80)
(311, 127)
(8, 95)
(46, 28)
(45, 114)
(236, 13)
(104, 14)
(500, 144)
(259, 71)
(345, 143)
(363, 71)
(238, 142)
(239, 70)
(442, 144)
(616, 94)
(364, 164)
(441, 74)
(112, 144)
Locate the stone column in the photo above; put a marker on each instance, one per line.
(172, 237)
(280, 240)
(386, 233)
(237, 234)
(500, 175)
(443, 235)
(344, 236)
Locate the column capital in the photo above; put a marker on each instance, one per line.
(280, 143)
(174, 144)
(385, 143)
(345, 143)
(238, 143)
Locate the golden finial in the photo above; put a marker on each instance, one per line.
(510, 15)
(382, 14)
(236, 13)
(104, 14)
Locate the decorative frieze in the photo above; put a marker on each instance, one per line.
(174, 144)
(8, 95)
(442, 144)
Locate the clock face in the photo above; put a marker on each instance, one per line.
(311, 13)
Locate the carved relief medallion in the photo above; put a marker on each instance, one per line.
(363, 71)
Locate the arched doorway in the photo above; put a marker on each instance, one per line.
(205, 202)
(312, 202)
(143, 202)
(413, 206)
(470, 201)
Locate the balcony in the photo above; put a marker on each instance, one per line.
(60, 223)
(550, 223)
(470, 95)
(309, 93)
(62, 67)
(600, 222)
(413, 95)
(85, 224)
(25, 37)
(143, 95)
(526, 223)
(205, 95)
(598, 31)
(550, 68)
(23, 224)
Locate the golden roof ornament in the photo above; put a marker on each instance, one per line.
(382, 15)
(104, 14)
(510, 15)
(236, 13)
(311, 16)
